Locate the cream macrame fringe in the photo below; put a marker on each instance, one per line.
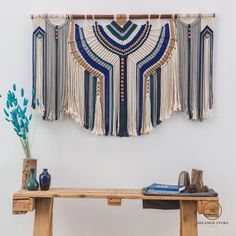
(132, 85)
(75, 90)
(147, 124)
(170, 97)
(97, 129)
(131, 98)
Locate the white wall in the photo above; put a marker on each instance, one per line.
(77, 158)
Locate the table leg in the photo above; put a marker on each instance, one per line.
(43, 217)
(188, 218)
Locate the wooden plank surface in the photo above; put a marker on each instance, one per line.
(102, 194)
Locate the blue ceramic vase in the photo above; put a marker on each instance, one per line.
(45, 180)
(32, 183)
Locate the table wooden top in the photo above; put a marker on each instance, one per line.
(102, 194)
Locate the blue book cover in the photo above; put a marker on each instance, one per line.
(165, 187)
(162, 192)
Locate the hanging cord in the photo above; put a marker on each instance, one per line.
(157, 20)
(207, 18)
(85, 20)
(93, 20)
(127, 17)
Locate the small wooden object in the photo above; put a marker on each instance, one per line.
(184, 179)
(42, 202)
(210, 209)
(197, 178)
(23, 205)
(114, 202)
(121, 19)
(27, 165)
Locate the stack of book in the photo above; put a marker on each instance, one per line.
(165, 188)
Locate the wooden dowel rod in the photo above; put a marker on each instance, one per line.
(90, 17)
(153, 16)
(141, 16)
(132, 16)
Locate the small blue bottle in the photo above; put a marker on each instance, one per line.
(45, 180)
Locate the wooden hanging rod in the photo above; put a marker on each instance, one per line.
(132, 17)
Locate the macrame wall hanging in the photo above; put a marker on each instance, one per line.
(122, 75)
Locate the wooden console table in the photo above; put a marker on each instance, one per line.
(42, 203)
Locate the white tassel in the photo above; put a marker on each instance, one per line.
(70, 71)
(175, 75)
(147, 124)
(170, 101)
(131, 98)
(116, 113)
(79, 96)
(98, 118)
(75, 76)
(163, 102)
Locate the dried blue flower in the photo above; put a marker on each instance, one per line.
(7, 104)
(22, 92)
(15, 102)
(16, 114)
(16, 130)
(22, 125)
(24, 136)
(6, 113)
(25, 103)
(26, 128)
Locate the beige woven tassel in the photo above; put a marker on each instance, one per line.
(175, 76)
(147, 124)
(97, 129)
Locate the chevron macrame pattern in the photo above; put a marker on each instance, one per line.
(122, 80)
